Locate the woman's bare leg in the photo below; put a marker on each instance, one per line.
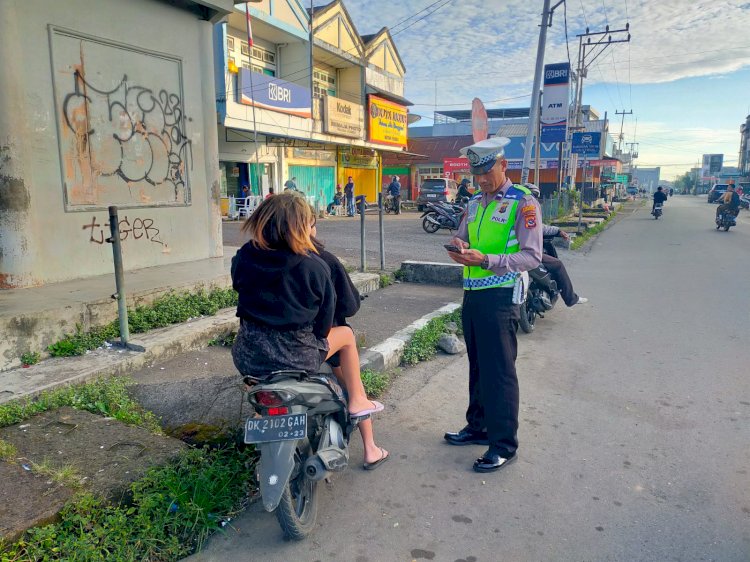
(341, 339)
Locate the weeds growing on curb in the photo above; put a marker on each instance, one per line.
(385, 280)
(227, 340)
(31, 358)
(106, 397)
(174, 509)
(170, 309)
(423, 343)
(375, 382)
(8, 451)
(590, 232)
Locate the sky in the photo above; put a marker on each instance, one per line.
(685, 73)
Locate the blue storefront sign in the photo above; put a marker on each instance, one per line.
(586, 144)
(273, 93)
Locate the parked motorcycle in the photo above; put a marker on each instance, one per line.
(441, 215)
(542, 293)
(726, 220)
(302, 429)
(657, 211)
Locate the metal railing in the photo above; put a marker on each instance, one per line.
(559, 205)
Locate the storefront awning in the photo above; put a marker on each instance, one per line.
(388, 95)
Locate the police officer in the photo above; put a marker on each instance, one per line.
(499, 237)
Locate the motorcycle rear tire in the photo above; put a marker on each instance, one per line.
(726, 228)
(429, 227)
(298, 508)
(527, 319)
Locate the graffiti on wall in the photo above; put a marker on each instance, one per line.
(123, 136)
(137, 229)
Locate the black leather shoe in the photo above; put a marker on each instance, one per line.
(491, 461)
(467, 437)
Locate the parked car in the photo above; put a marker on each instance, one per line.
(436, 190)
(716, 192)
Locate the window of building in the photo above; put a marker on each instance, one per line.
(230, 43)
(324, 82)
(244, 48)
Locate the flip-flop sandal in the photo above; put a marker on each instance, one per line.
(378, 408)
(373, 465)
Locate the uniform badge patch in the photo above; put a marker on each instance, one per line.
(529, 222)
(529, 216)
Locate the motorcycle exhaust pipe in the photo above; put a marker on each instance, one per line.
(315, 469)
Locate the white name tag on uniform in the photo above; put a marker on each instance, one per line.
(502, 212)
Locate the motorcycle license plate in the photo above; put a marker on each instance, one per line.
(276, 428)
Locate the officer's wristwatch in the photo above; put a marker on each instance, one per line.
(485, 262)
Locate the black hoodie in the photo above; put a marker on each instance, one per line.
(284, 290)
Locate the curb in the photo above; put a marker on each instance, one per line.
(387, 354)
(160, 344)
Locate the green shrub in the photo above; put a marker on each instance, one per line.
(31, 358)
(170, 309)
(423, 344)
(385, 280)
(375, 383)
(174, 508)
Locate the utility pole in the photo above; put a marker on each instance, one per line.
(535, 94)
(622, 126)
(588, 52)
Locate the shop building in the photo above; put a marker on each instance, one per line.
(296, 108)
(106, 103)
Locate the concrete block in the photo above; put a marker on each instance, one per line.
(432, 273)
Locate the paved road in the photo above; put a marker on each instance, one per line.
(635, 426)
(404, 239)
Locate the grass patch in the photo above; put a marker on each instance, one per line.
(591, 232)
(170, 309)
(399, 275)
(67, 475)
(8, 451)
(423, 343)
(385, 280)
(31, 358)
(375, 382)
(106, 397)
(174, 509)
(226, 340)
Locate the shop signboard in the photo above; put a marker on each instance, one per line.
(455, 165)
(269, 92)
(342, 118)
(712, 164)
(479, 122)
(586, 144)
(357, 159)
(621, 178)
(555, 102)
(386, 122)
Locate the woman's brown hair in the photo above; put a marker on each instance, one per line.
(282, 222)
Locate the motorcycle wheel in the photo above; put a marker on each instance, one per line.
(428, 226)
(528, 318)
(298, 508)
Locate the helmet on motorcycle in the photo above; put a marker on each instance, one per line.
(533, 188)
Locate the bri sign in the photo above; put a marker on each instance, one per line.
(268, 92)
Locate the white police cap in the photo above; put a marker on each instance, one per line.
(483, 154)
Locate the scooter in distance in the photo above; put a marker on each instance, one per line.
(302, 429)
(657, 211)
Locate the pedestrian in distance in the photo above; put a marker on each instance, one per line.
(245, 191)
(290, 185)
(463, 190)
(554, 265)
(287, 306)
(270, 192)
(499, 237)
(394, 190)
(349, 194)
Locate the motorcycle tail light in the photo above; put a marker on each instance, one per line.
(278, 411)
(445, 192)
(271, 398)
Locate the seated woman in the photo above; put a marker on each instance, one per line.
(287, 304)
(338, 200)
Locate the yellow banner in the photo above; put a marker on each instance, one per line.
(386, 122)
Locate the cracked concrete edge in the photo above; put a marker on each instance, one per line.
(387, 354)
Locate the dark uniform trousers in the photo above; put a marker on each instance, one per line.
(561, 277)
(489, 321)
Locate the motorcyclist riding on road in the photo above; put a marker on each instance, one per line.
(730, 201)
(659, 198)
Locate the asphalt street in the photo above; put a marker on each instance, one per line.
(403, 236)
(634, 436)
